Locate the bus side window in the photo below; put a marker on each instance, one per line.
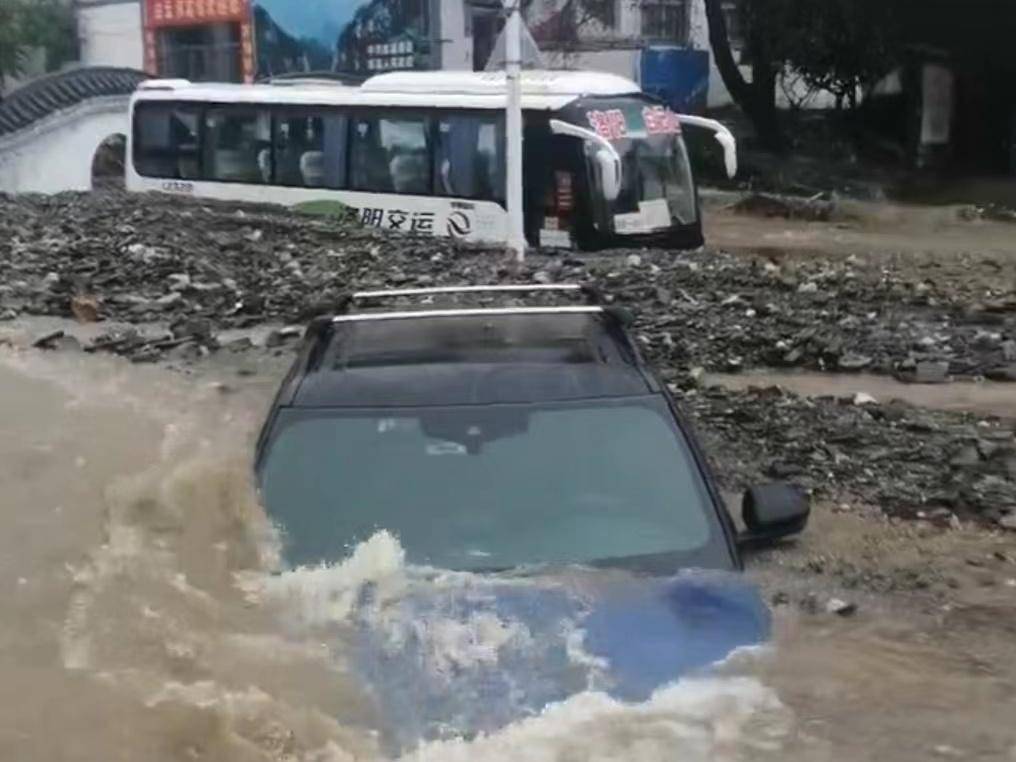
(166, 141)
(391, 154)
(310, 148)
(237, 145)
(469, 160)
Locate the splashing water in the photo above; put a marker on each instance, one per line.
(452, 654)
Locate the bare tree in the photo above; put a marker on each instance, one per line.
(756, 98)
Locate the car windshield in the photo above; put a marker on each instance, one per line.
(657, 190)
(494, 487)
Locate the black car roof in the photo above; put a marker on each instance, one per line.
(460, 357)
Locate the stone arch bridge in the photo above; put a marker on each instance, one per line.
(52, 129)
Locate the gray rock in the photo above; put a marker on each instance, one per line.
(542, 277)
(966, 458)
(199, 328)
(48, 340)
(279, 337)
(928, 372)
(240, 344)
(840, 607)
(169, 300)
(852, 362)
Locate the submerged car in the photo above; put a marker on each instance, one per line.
(516, 444)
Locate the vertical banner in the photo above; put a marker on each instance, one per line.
(247, 48)
(168, 14)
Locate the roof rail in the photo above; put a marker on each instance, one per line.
(592, 295)
(362, 317)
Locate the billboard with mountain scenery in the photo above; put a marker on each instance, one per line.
(357, 37)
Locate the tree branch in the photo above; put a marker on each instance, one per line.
(719, 40)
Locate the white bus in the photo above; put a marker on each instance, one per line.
(424, 152)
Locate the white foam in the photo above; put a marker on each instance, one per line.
(450, 645)
(704, 719)
(329, 593)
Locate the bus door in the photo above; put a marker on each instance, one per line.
(555, 189)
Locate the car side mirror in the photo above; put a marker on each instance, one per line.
(772, 512)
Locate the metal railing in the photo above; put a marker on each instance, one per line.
(592, 296)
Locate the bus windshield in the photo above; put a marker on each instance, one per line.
(657, 190)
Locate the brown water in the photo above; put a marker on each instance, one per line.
(983, 398)
(141, 621)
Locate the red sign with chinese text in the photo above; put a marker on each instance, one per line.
(164, 14)
(661, 121)
(608, 124)
(159, 13)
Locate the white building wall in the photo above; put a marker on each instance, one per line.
(55, 154)
(110, 33)
(624, 61)
(456, 46)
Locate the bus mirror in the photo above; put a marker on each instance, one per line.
(610, 174)
(723, 136)
(607, 157)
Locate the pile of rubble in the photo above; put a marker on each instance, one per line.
(913, 462)
(198, 268)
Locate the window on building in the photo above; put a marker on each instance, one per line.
(469, 158)
(735, 22)
(665, 20)
(166, 141)
(310, 148)
(390, 154)
(237, 145)
(204, 53)
(608, 14)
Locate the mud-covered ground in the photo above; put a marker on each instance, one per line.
(171, 280)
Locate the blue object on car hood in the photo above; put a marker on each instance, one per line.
(656, 632)
(474, 653)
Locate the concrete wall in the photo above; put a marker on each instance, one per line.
(110, 33)
(55, 154)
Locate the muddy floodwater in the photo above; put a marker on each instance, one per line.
(146, 618)
(982, 398)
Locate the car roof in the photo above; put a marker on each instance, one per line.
(434, 354)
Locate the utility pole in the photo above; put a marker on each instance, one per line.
(513, 123)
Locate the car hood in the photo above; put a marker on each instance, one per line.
(460, 654)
